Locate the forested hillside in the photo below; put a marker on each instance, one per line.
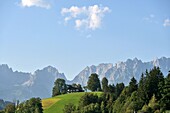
(150, 95)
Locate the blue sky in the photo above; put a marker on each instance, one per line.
(73, 34)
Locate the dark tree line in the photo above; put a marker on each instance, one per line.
(3, 104)
(32, 105)
(150, 95)
(60, 87)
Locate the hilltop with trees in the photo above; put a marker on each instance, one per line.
(60, 87)
(32, 105)
(150, 95)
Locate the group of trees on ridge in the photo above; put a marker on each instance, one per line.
(60, 87)
(150, 95)
(32, 105)
(3, 103)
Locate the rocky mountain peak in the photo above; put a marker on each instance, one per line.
(22, 85)
(50, 69)
(123, 71)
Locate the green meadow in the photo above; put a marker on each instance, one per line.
(56, 104)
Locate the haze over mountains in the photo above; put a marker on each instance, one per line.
(21, 85)
(122, 71)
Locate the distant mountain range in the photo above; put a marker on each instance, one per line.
(122, 71)
(20, 85)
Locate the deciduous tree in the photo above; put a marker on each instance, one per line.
(93, 83)
(59, 87)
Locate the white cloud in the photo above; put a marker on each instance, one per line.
(88, 17)
(151, 18)
(81, 23)
(78, 23)
(37, 3)
(166, 22)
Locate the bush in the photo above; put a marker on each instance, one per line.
(87, 99)
(69, 108)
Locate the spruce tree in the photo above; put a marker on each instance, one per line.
(133, 85)
(105, 84)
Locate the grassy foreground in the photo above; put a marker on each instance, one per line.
(56, 104)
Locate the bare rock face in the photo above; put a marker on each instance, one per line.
(20, 85)
(122, 71)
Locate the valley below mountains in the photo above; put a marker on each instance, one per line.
(16, 85)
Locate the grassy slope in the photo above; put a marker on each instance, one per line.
(48, 102)
(56, 104)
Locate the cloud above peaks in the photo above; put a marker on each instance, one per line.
(151, 18)
(88, 17)
(36, 3)
(166, 23)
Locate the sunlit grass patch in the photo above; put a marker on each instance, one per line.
(49, 102)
